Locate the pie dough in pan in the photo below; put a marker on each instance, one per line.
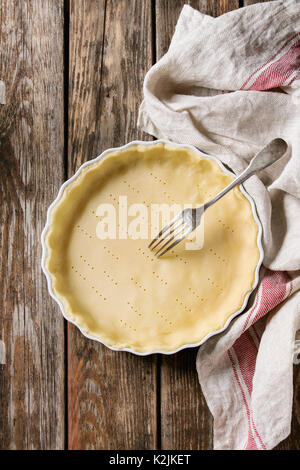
(115, 290)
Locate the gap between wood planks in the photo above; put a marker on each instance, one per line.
(66, 149)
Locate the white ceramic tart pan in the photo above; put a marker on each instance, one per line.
(114, 290)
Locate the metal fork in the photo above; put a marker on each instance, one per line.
(189, 219)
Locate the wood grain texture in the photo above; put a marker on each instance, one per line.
(112, 396)
(251, 2)
(168, 11)
(31, 168)
(186, 422)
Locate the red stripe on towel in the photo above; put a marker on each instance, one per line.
(275, 287)
(270, 60)
(246, 353)
(251, 444)
(278, 72)
(273, 292)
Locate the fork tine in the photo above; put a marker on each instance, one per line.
(159, 241)
(164, 229)
(172, 238)
(190, 229)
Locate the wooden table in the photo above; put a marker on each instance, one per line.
(74, 71)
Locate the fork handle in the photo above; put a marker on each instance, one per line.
(266, 157)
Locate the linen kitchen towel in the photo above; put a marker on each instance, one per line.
(228, 85)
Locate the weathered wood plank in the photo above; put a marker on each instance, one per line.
(251, 2)
(167, 13)
(186, 422)
(112, 396)
(31, 167)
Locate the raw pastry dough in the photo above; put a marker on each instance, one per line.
(116, 290)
